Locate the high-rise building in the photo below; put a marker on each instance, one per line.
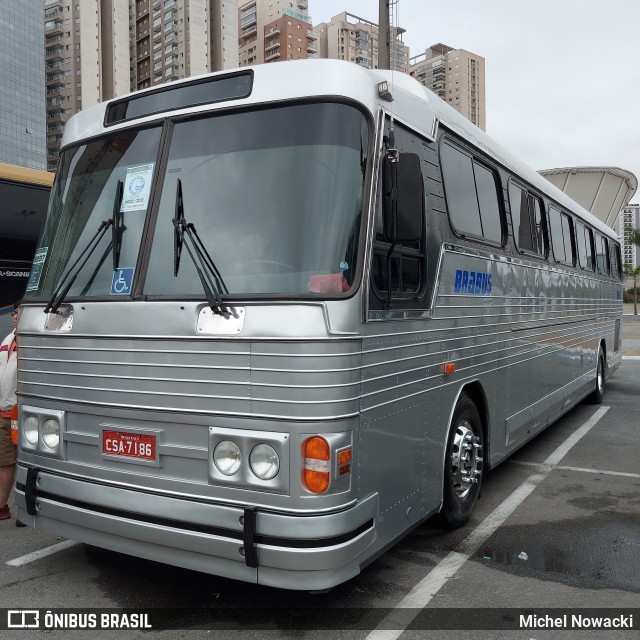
(99, 49)
(348, 37)
(629, 219)
(259, 21)
(289, 37)
(86, 59)
(171, 41)
(457, 76)
(224, 34)
(174, 39)
(22, 90)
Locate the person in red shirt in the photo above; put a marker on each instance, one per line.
(8, 381)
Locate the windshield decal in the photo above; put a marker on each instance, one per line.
(121, 281)
(137, 188)
(36, 268)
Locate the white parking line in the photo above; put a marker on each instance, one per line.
(42, 553)
(631, 357)
(420, 596)
(604, 472)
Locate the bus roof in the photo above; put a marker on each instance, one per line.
(412, 104)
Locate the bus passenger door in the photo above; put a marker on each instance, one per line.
(398, 457)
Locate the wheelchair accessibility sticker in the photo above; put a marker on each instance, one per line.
(121, 282)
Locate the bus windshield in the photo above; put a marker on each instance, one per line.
(275, 195)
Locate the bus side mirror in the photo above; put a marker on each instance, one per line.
(404, 222)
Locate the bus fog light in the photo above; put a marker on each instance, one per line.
(30, 429)
(264, 462)
(51, 433)
(227, 457)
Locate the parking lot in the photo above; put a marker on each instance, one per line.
(557, 527)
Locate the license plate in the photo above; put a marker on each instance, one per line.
(129, 445)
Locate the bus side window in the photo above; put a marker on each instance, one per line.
(472, 195)
(527, 220)
(569, 242)
(561, 236)
(585, 246)
(602, 254)
(614, 260)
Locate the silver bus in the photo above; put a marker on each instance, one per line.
(280, 316)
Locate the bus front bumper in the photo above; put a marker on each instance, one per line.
(287, 550)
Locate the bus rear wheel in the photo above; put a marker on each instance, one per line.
(463, 464)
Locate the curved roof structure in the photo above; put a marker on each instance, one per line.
(603, 191)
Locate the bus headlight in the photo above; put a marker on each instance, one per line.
(264, 462)
(51, 433)
(30, 430)
(227, 457)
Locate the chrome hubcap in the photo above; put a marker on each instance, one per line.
(466, 459)
(599, 375)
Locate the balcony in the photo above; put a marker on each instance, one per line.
(250, 31)
(312, 48)
(272, 45)
(303, 4)
(55, 81)
(54, 116)
(55, 54)
(52, 13)
(274, 31)
(53, 28)
(249, 20)
(274, 55)
(50, 41)
(311, 35)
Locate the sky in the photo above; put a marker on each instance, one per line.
(562, 76)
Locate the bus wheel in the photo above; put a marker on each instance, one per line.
(598, 393)
(463, 464)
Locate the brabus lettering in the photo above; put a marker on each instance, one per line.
(473, 282)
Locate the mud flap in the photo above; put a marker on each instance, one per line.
(30, 490)
(249, 537)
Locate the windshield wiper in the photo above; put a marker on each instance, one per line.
(117, 226)
(212, 282)
(60, 293)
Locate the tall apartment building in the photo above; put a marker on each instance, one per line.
(22, 90)
(457, 76)
(86, 59)
(172, 39)
(348, 37)
(96, 50)
(224, 34)
(289, 38)
(629, 219)
(261, 27)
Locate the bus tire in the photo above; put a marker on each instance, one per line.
(463, 464)
(598, 393)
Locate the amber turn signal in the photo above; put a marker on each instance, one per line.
(14, 424)
(317, 455)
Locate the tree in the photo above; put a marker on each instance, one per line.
(632, 236)
(632, 272)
